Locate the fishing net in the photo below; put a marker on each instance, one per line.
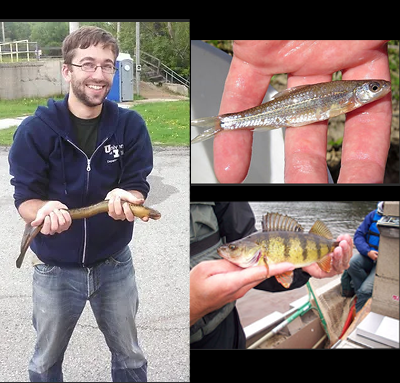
(332, 307)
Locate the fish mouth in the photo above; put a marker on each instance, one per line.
(155, 215)
(241, 260)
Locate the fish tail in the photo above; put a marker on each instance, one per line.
(29, 233)
(212, 126)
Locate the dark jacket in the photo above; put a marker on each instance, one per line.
(46, 163)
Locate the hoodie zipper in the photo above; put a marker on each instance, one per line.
(88, 169)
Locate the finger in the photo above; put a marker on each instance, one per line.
(248, 278)
(280, 268)
(117, 206)
(366, 138)
(337, 259)
(244, 88)
(46, 226)
(111, 210)
(238, 282)
(67, 218)
(305, 146)
(61, 221)
(60, 217)
(128, 212)
(133, 199)
(217, 266)
(39, 218)
(53, 223)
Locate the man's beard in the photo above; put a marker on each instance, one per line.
(79, 90)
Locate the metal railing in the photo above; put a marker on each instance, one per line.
(162, 70)
(19, 50)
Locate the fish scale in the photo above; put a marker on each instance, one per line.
(298, 106)
(282, 239)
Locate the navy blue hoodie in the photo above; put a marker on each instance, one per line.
(46, 163)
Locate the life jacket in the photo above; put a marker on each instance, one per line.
(204, 242)
(373, 232)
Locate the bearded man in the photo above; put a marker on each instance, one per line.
(70, 154)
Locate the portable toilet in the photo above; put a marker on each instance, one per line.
(122, 87)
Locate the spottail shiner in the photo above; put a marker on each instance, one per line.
(282, 239)
(298, 106)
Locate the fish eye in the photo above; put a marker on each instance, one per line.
(232, 247)
(374, 86)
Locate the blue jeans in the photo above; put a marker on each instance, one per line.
(59, 297)
(362, 273)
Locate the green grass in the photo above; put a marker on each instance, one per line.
(167, 122)
(22, 107)
(6, 136)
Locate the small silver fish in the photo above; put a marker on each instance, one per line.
(298, 106)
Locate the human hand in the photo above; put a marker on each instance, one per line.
(373, 255)
(216, 283)
(367, 129)
(119, 209)
(340, 259)
(54, 216)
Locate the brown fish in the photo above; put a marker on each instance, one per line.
(30, 232)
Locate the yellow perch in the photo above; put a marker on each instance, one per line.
(30, 232)
(282, 240)
(298, 106)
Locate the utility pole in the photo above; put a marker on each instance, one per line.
(138, 67)
(118, 30)
(73, 26)
(2, 29)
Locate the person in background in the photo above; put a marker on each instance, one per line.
(363, 265)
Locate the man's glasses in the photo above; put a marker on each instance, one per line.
(90, 67)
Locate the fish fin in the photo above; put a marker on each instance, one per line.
(287, 92)
(285, 279)
(320, 229)
(212, 126)
(279, 222)
(325, 263)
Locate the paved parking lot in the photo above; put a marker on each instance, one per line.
(160, 256)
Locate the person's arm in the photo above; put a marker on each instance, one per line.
(213, 284)
(29, 168)
(53, 215)
(137, 165)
